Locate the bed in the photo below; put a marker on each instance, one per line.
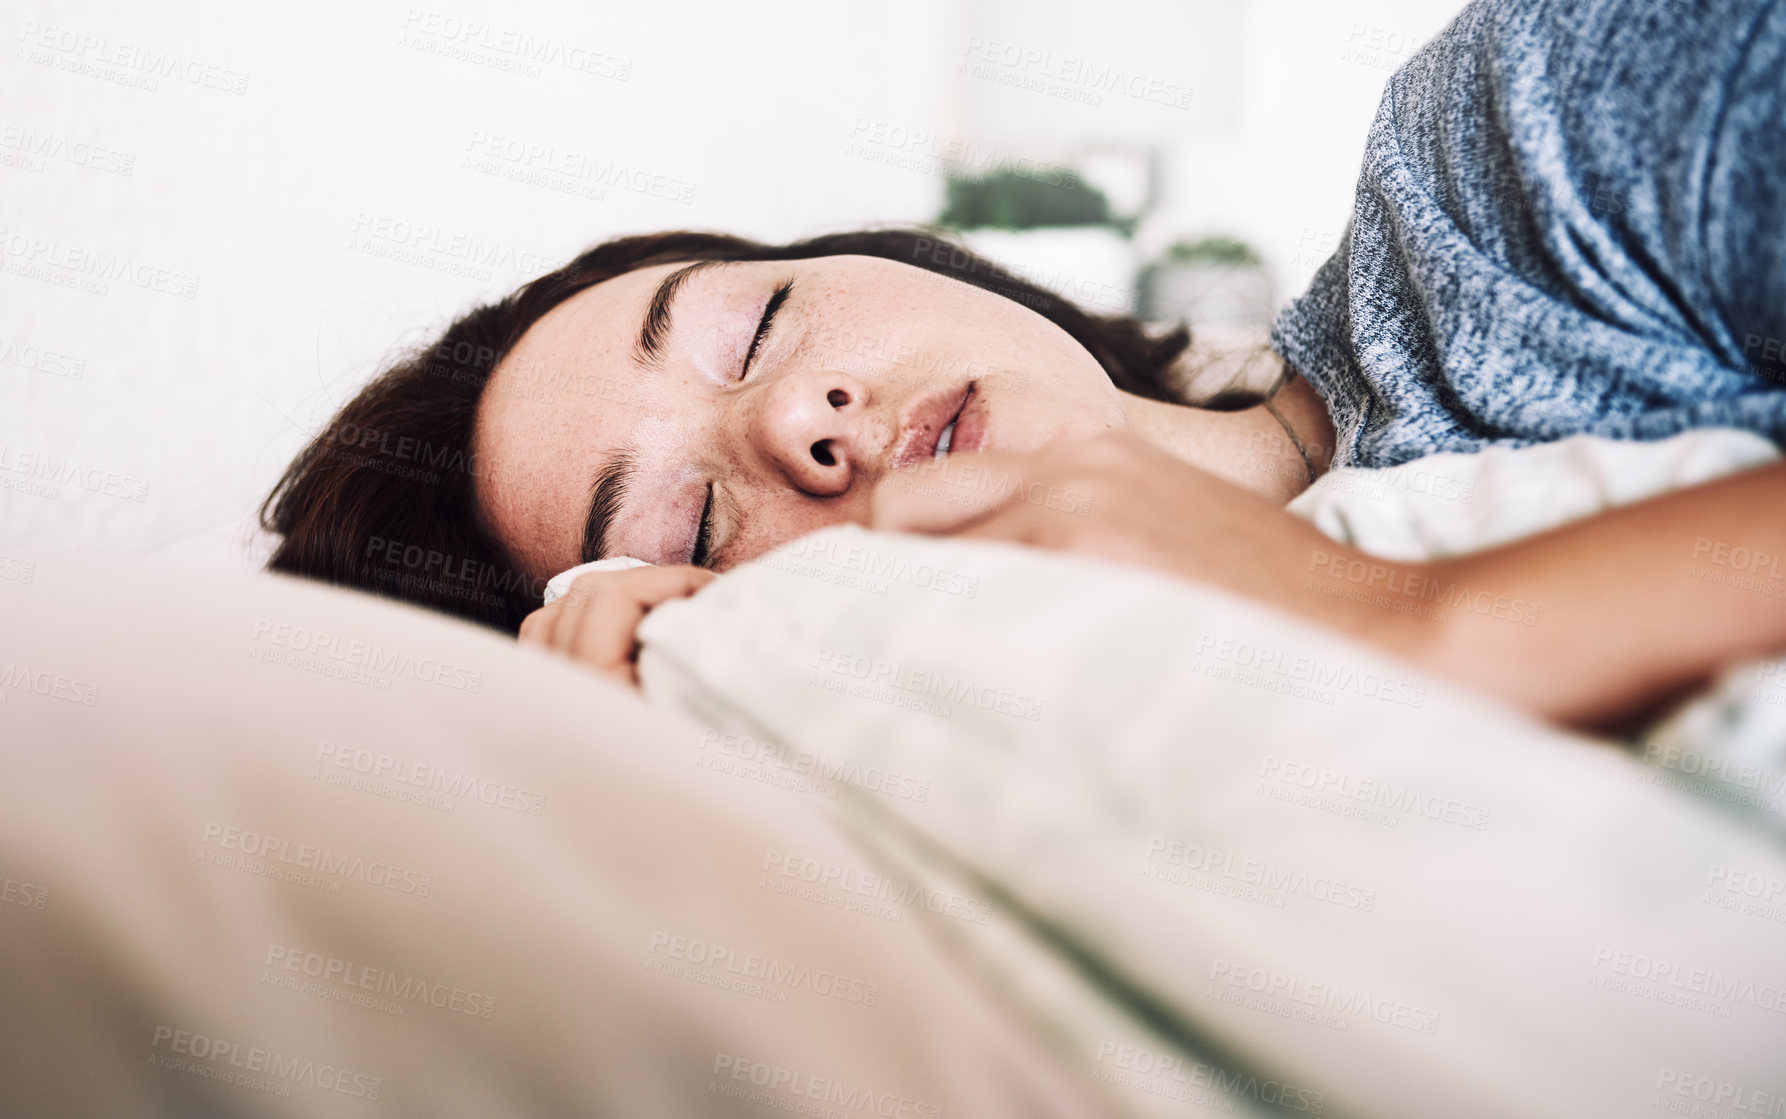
(900, 826)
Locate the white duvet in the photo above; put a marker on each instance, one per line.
(1236, 862)
(950, 829)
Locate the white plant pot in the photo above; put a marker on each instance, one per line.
(1217, 295)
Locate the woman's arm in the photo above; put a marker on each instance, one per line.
(1633, 604)
(1589, 624)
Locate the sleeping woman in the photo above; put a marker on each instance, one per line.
(1571, 219)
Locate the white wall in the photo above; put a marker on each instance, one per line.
(216, 263)
(1312, 80)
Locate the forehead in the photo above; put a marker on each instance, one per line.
(555, 409)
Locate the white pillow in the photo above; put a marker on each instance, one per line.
(274, 848)
(1726, 744)
(1450, 504)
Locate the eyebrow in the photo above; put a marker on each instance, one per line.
(650, 345)
(604, 502)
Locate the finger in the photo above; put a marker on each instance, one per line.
(604, 631)
(609, 635)
(1017, 523)
(536, 628)
(946, 496)
(562, 627)
(585, 596)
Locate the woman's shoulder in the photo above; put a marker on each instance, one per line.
(1526, 256)
(1599, 78)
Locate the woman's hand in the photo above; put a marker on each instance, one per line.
(1115, 497)
(597, 620)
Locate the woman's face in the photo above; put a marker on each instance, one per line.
(765, 399)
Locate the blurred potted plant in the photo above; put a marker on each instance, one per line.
(1050, 227)
(1215, 281)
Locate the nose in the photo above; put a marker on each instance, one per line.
(812, 426)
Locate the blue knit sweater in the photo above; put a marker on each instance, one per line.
(1571, 218)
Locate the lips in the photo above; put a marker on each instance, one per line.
(922, 427)
(970, 424)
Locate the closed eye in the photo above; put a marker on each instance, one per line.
(703, 550)
(774, 305)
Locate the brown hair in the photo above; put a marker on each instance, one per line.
(383, 498)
